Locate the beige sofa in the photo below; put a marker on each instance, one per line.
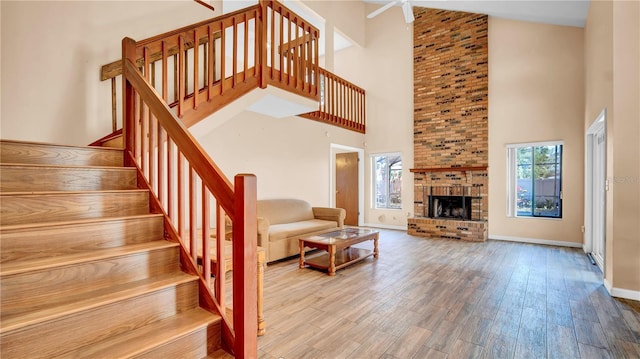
(282, 221)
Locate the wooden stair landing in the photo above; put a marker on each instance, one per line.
(85, 269)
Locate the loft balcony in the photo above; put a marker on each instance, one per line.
(199, 69)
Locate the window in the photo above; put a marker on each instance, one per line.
(387, 180)
(535, 180)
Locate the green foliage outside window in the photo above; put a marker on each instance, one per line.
(539, 181)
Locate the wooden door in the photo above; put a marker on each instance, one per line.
(347, 185)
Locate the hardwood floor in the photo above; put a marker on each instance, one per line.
(427, 298)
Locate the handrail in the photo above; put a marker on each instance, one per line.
(168, 156)
(284, 54)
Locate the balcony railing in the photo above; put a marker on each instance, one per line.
(201, 68)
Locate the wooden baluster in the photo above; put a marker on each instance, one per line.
(246, 46)
(342, 101)
(289, 53)
(206, 254)
(309, 74)
(161, 167)
(316, 66)
(221, 256)
(196, 64)
(364, 111)
(235, 53)
(181, 76)
(181, 194)
(279, 47)
(223, 55)
(186, 72)
(205, 65)
(176, 78)
(212, 62)
(272, 50)
(114, 116)
(333, 98)
(193, 216)
(171, 194)
(165, 89)
(296, 55)
(257, 63)
(139, 135)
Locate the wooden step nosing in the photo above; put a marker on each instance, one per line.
(96, 302)
(47, 144)
(88, 257)
(69, 167)
(79, 222)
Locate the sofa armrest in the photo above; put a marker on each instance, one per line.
(330, 214)
(263, 232)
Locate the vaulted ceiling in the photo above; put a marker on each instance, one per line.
(561, 12)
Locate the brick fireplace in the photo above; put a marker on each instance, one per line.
(450, 125)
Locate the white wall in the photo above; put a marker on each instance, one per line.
(52, 52)
(290, 156)
(536, 93)
(384, 68)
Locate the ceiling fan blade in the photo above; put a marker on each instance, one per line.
(407, 10)
(380, 10)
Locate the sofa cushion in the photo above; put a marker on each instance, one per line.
(279, 232)
(279, 211)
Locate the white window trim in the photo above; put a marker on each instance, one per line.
(512, 173)
(372, 161)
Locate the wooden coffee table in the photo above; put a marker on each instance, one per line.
(337, 244)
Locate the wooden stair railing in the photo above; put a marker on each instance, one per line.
(192, 191)
(228, 56)
(341, 103)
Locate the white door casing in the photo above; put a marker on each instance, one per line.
(595, 189)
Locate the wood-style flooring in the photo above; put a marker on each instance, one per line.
(436, 298)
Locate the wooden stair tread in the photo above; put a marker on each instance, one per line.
(51, 262)
(78, 303)
(37, 177)
(66, 166)
(27, 226)
(36, 152)
(148, 337)
(53, 145)
(67, 193)
(56, 206)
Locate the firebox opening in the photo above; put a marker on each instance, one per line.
(450, 207)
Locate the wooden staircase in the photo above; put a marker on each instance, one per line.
(86, 270)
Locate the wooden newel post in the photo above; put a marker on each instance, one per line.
(128, 96)
(245, 243)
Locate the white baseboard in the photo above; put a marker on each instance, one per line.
(385, 226)
(535, 241)
(620, 292)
